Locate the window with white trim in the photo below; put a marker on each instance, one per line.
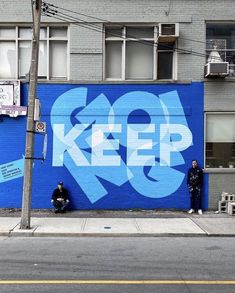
(221, 36)
(133, 53)
(15, 52)
(220, 140)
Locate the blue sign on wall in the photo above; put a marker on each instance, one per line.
(114, 146)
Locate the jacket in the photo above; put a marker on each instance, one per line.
(195, 177)
(63, 193)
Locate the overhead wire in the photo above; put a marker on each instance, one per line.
(167, 12)
(68, 20)
(51, 12)
(107, 21)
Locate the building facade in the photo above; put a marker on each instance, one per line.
(125, 99)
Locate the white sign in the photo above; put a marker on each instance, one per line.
(10, 92)
(44, 152)
(6, 94)
(37, 110)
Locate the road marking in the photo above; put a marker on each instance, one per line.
(118, 282)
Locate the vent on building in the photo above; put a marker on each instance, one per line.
(168, 32)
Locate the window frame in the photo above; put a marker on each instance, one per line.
(17, 39)
(124, 40)
(205, 138)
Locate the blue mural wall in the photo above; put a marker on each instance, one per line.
(114, 146)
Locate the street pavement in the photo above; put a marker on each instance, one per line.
(119, 224)
(117, 264)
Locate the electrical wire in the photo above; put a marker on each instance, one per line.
(169, 8)
(72, 19)
(98, 29)
(149, 43)
(50, 12)
(66, 20)
(75, 12)
(107, 21)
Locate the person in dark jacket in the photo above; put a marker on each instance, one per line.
(194, 182)
(60, 198)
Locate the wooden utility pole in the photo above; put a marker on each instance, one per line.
(29, 148)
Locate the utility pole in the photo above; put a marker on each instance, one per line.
(29, 147)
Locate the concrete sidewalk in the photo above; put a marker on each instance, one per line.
(173, 225)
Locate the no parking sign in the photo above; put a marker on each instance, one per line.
(40, 127)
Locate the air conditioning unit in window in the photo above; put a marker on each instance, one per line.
(215, 65)
(213, 69)
(168, 32)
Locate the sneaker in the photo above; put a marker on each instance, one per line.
(199, 212)
(190, 211)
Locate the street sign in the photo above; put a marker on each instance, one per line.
(13, 111)
(40, 127)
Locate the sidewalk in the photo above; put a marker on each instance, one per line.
(119, 224)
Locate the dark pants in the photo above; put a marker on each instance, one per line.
(60, 205)
(195, 197)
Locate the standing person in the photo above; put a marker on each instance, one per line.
(194, 182)
(60, 198)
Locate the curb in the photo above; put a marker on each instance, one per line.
(33, 233)
(48, 234)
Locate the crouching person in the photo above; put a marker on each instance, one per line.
(60, 198)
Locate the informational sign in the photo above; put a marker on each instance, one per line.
(10, 92)
(6, 94)
(13, 111)
(40, 127)
(11, 170)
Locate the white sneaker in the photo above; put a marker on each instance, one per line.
(199, 212)
(190, 211)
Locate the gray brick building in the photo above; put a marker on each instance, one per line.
(112, 43)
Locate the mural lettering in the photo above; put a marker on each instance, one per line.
(137, 139)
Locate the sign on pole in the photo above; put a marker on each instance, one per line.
(40, 127)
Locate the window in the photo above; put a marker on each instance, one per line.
(222, 37)
(133, 53)
(220, 140)
(15, 52)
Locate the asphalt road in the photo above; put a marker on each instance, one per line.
(88, 264)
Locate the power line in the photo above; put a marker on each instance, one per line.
(75, 12)
(71, 18)
(47, 11)
(167, 12)
(98, 29)
(66, 20)
(107, 21)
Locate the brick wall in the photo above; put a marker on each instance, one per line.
(217, 184)
(190, 14)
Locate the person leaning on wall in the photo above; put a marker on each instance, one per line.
(194, 182)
